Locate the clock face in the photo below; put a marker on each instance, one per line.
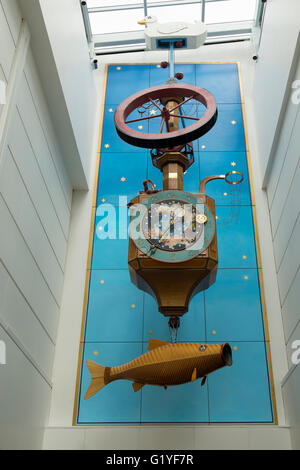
(174, 226)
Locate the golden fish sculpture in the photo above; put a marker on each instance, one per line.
(164, 364)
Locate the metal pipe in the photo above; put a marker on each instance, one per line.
(203, 11)
(207, 180)
(172, 68)
(138, 6)
(86, 21)
(145, 8)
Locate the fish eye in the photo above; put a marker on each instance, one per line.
(202, 347)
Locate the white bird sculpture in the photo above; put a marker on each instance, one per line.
(183, 35)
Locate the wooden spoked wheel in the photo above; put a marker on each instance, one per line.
(189, 128)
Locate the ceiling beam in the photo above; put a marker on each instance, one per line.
(138, 37)
(139, 6)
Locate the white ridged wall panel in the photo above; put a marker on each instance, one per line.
(35, 206)
(7, 42)
(284, 203)
(283, 190)
(21, 148)
(24, 397)
(40, 103)
(291, 389)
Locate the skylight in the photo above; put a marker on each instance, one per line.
(108, 18)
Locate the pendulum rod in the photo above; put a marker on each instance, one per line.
(172, 67)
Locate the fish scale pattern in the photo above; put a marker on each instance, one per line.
(119, 319)
(168, 352)
(171, 364)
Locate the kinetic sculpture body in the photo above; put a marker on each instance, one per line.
(174, 255)
(164, 364)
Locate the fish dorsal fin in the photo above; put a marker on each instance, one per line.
(194, 375)
(156, 343)
(137, 386)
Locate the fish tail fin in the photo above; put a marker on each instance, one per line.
(97, 381)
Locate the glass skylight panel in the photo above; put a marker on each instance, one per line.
(187, 13)
(121, 16)
(116, 21)
(111, 3)
(230, 11)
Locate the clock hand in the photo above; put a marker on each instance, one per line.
(153, 249)
(168, 228)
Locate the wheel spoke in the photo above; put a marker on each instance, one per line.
(162, 125)
(181, 104)
(185, 117)
(143, 119)
(155, 104)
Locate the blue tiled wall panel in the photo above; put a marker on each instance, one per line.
(233, 309)
(104, 322)
(227, 135)
(126, 80)
(116, 402)
(109, 250)
(235, 236)
(121, 174)
(120, 319)
(221, 80)
(185, 403)
(240, 393)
